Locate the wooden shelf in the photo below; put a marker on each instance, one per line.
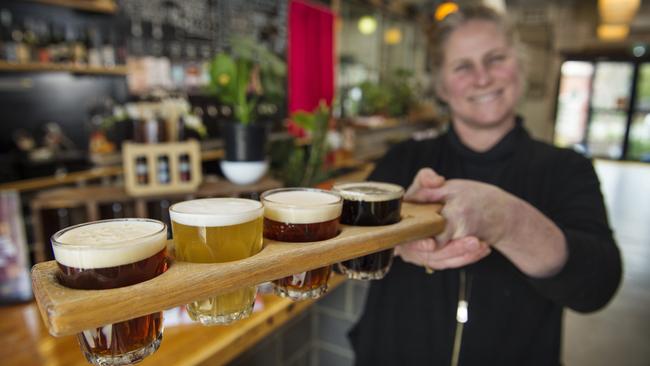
(54, 67)
(57, 180)
(94, 173)
(96, 6)
(67, 311)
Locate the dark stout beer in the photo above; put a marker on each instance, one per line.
(301, 215)
(110, 254)
(369, 204)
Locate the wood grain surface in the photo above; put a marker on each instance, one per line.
(67, 311)
(26, 341)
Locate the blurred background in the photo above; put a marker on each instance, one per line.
(80, 78)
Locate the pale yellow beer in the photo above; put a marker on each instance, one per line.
(217, 230)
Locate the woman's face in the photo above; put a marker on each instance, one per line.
(480, 76)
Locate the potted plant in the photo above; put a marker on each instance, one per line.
(305, 165)
(391, 97)
(239, 80)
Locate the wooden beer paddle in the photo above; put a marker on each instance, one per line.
(67, 311)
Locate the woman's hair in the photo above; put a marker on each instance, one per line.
(443, 29)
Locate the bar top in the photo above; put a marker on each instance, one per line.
(25, 340)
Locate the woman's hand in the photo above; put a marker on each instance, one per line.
(457, 253)
(428, 252)
(484, 214)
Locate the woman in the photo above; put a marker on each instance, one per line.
(526, 234)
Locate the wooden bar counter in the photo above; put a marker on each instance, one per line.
(26, 341)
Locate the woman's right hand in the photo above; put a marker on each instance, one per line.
(456, 253)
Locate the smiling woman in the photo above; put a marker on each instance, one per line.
(479, 74)
(526, 230)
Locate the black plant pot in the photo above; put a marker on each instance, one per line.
(245, 142)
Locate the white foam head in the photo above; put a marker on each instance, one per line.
(301, 206)
(213, 212)
(369, 191)
(109, 243)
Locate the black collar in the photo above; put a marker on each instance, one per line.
(502, 149)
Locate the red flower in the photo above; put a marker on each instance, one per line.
(295, 130)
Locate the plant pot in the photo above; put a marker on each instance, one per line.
(244, 172)
(245, 142)
(245, 161)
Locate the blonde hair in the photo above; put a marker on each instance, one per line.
(442, 30)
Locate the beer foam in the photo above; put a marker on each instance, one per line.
(109, 243)
(369, 191)
(302, 206)
(213, 212)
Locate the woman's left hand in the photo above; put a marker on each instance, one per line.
(518, 230)
(471, 208)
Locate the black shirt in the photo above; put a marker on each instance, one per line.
(410, 316)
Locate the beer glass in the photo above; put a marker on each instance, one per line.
(369, 204)
(301, 215)
(108, 254)
(217, 230)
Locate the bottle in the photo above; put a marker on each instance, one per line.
(162, 128)
(43, 46)
(180, 129)
(192, 67)
(8, 46)
(136, 42)
(18, 37)
(163, 169)
(79, 50)
(141, 170)
(121, 52)
(31, 41)
(156, 39)
(108, 51)
(175, 52)
(93, 46)
(184, 168)
(66, 45)
(151, 128)
(54, 48)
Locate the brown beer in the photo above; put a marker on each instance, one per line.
(300, 233)
(110, 254)
(301, 215)
(369, 204)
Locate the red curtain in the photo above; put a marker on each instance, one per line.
(310, 56)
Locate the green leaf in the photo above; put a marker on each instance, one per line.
(304, 120)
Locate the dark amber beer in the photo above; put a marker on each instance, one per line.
(369, 204)
(108, 254)
(301, 215)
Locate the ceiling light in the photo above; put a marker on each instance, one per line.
(617, 11)
(638, 50)
(393, 36)
(445, 9)
(613, 32)
(367, 24)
